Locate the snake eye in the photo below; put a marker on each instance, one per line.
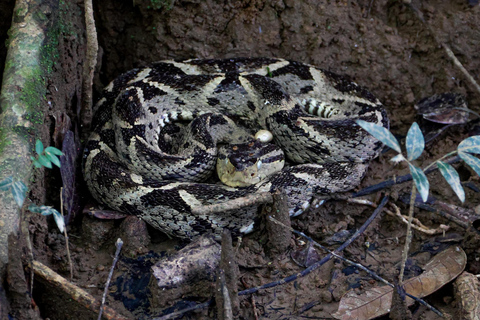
(252, 175)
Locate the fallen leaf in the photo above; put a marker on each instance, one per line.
(446, 108)
(375, 302)
(467, 294)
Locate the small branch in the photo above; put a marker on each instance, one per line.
(89, 68)
(449, 52)
(278, 235)
(177, 314)
(418, 225)
(291, 278)
(397, 180)
(119, 245)
(224, 304)
(318, 264)
(408, 240)
(66, 236)
(75, 293)
(227, 291)
(357, 265)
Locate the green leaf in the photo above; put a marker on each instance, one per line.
(59, 220)
(38, 209)
(6, 184)
(451, 175)
(37, 164)
(43, 160)
(471, 145)
(46, 211)
(471, 160)
(415, 142)
(19, 192)
(38, 146)
(53, 150)
(53, 158)
(420, 181)
(381, 134)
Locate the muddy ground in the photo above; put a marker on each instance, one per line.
(382, 45)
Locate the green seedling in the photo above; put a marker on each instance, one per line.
(415, 145)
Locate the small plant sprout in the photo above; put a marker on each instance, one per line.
(47, 210)
(45, 157)
(415, 144)
(17, 188)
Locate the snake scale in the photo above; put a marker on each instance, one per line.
(156, 133)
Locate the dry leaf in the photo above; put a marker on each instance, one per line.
(443, 268)
(467, 294)
(443, 108)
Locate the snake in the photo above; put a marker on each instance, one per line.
(158, 131)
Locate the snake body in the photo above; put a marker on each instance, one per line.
(156, 133)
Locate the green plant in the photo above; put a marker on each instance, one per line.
(47, 210)
(415, 144)
(45, 158)
(17, 188)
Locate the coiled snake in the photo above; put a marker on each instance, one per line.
(156, 133)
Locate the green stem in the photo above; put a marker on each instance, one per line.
(444, 157)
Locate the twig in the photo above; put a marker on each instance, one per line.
(448, 215)
(119, 245)
(291, 278)
(227, 280)
(408, 240)
(278, 237)
(238, 203)
(418, 225)
(357, 265)
(66, 236)
(254, 304)
(75, 293)
(224, 309)
(449, 52)
(397, 180)
(89, 68)
(176, 314)
(316, 265)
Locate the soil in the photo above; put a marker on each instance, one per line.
(382, 45)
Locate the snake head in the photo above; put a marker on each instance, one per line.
(245, 164)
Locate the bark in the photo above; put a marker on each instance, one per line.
(23, 105)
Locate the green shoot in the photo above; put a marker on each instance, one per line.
(415, 144)
(17, 188)
(47, 210)
(46, 157)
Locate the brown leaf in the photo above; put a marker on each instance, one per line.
(444, 108)
(467, 294)
(443, 268)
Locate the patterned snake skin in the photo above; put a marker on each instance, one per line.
(157, 129)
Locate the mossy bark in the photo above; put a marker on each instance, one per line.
(23, 103)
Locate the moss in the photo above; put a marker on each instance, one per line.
(4, 141)
(35, 90)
